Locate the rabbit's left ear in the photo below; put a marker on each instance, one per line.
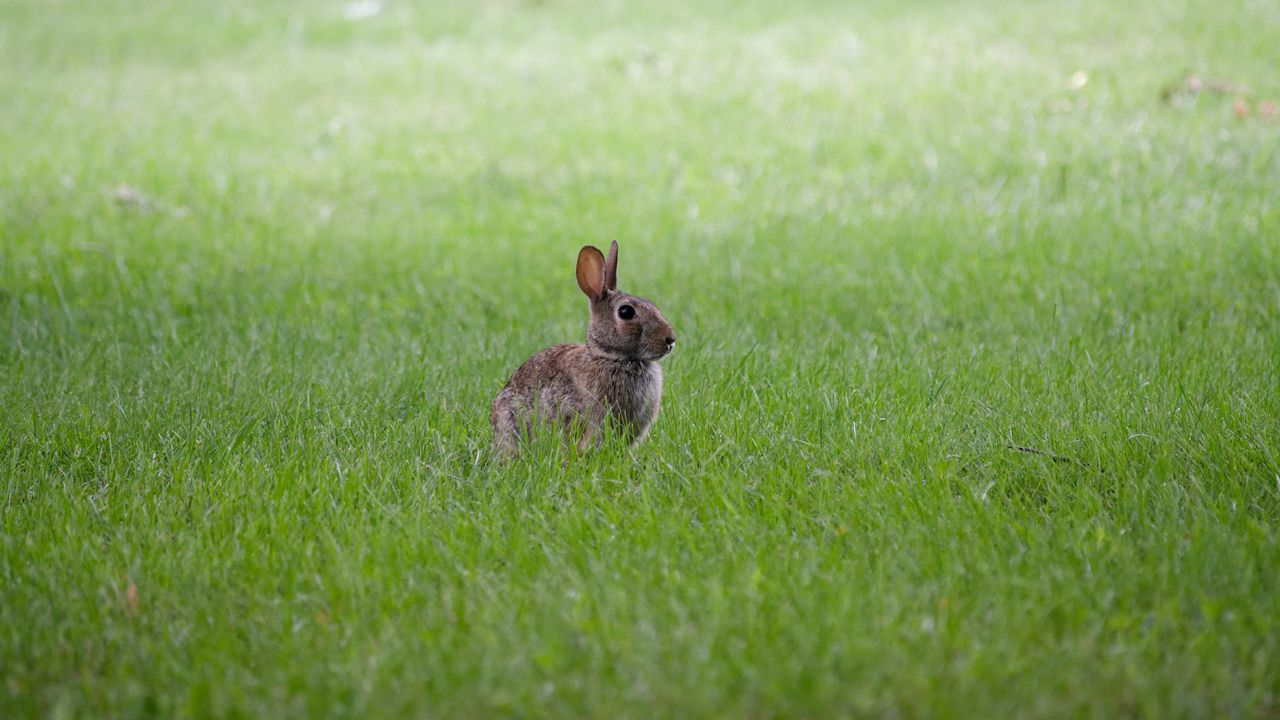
(591, 272)
(611, 267)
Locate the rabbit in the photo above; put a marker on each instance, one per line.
(612, 382)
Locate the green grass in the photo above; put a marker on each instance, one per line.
(263, 269)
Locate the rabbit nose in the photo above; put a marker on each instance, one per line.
(671, 340)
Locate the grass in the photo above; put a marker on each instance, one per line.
(263, 269)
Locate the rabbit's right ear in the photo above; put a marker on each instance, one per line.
(591, 272)
(611, 268)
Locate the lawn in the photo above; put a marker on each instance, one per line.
(975, 410)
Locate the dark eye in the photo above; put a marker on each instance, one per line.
(626, 312)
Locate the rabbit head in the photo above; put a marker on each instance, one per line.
(623, 327)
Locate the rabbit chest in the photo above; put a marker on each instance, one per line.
(633, 394)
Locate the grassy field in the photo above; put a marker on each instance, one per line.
(264, 266)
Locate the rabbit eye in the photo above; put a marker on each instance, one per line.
(626, 312)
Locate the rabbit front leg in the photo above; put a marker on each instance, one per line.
(592, 438)
(589, 426)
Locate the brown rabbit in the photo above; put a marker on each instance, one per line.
(612, 381)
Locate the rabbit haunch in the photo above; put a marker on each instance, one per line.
(613, 383)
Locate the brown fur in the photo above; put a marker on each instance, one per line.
(611, 384)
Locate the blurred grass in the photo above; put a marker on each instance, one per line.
(263, 268)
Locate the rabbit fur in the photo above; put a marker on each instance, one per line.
(613, 382)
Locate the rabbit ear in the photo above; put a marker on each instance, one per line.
(611, 268)
(591, 272)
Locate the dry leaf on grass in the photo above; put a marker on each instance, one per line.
(132, 603)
